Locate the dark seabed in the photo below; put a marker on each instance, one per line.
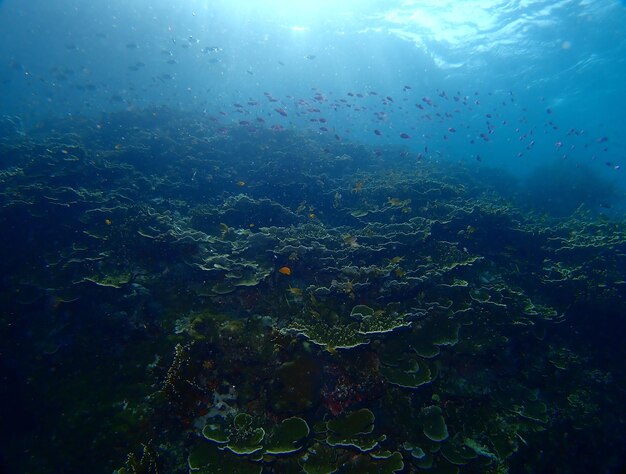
(285, 237)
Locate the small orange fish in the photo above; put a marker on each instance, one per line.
(241, 183)
(285, 271)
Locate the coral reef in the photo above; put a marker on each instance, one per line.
(269, 302)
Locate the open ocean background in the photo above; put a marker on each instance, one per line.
(527, 95)
(71, 58)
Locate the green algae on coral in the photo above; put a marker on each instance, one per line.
(380, 322)
(242, 438)
(361, 312)
(286, 438)
(433, 333)
(352, 430)
(533, 410)
(247, 443)
(425, 462)
(479, 449)
(329, 336)
(223, 288)
(245, 439)
(409, 374)
(208, 459)
(433, 424)
(215, 433)
(456, 452)
(349, 334)
(416, 451)
(359, 213)
(354, 424)
(110, 280)
(243, 209)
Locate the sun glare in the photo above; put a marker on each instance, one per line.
(299, 29)
(300, 13)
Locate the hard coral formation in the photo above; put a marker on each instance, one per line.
(302, 297)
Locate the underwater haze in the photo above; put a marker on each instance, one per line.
(272, 236)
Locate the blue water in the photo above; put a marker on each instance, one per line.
(523, 99)
(72, 57)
